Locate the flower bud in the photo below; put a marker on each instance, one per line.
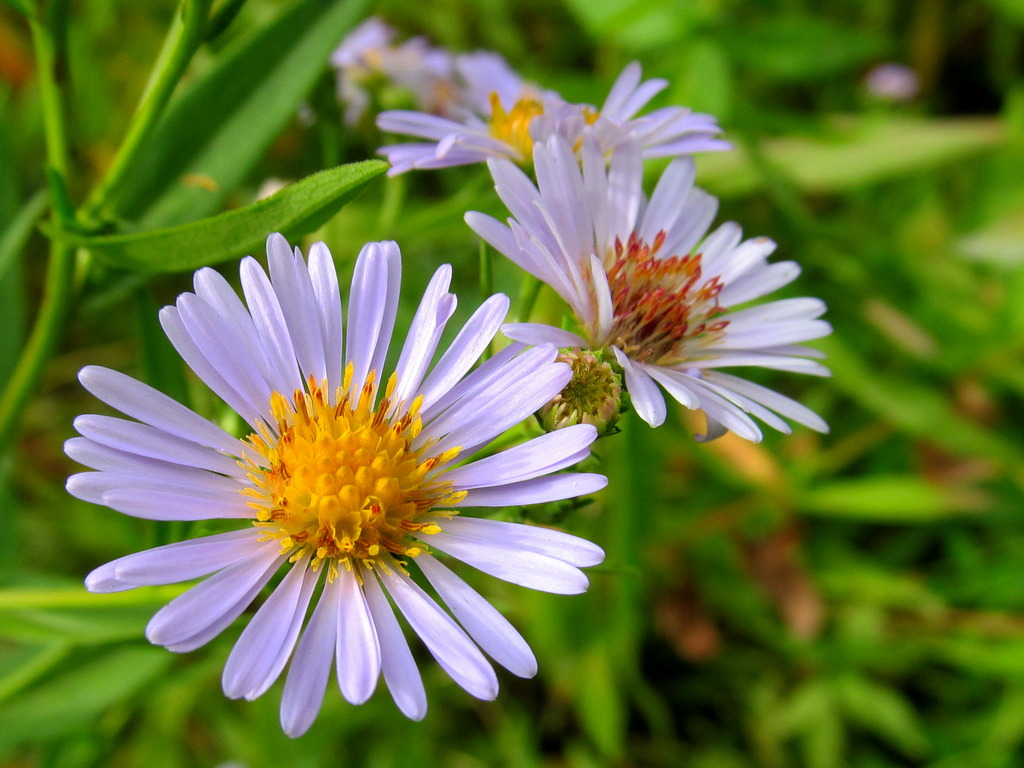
(592, 396)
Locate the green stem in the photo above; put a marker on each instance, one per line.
(183, 38)
(42, 341)
(395, 190)
(528, 293)
(57, 291)
(50, 99)
(486, 272)
(630, 489)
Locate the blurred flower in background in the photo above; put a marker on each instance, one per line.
(370, 58)
(504, 116)
(891, 82)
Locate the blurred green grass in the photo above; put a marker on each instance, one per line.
(852, 599)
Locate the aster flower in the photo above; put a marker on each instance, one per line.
(370, 54)
(649, 285)
(892, 82)
(349, 481)
(503, 116)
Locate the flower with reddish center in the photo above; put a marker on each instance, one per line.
(347, 485)
(502, 116)
(664, 311)
(649, 284)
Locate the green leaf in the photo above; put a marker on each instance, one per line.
(857, 152)
(1007, 727)
(997, 658)
(882, 498)
(639, 24)
(223, 125)
(76, 617)
(22, 667)
(1000, 243)
(810, 715)
(884, 712)
(294, 211)
(222, 18)
(13, 304)
(76, 627)
(851, 580)
(21, 226)
(794, 47)
(915, 408)
(74, 699)
(600, 704)
(1011, 10)
(705, 82)
(160, 363)
(22, 6)
(19, 599)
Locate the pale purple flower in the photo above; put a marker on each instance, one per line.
(648, 284)
(370, 54)
(503, 116)
(349, 480)
(892, 82)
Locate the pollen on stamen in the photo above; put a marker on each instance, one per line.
(663, 307)
(513, 127)
(340, 481)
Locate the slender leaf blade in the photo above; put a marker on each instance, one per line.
(72, 700)
(223, 125)
(294, 211)
(857, 152)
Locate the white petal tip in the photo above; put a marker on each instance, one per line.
(295, 730)
(104, 579)
(489, 694)
(653, 420)
(358, 697)
(414, 711)
(589, 556)
(527, 671)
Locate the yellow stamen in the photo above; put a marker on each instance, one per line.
(513, 127)
(341, 482)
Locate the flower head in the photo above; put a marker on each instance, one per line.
(892, 82)
(349, 479)
(503, 116)
(370, 56)
(648, 284)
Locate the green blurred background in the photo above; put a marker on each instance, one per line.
(853, 599)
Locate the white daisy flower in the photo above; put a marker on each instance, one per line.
(503, 116)
(649, 284)
(349, 481)
(370, 54)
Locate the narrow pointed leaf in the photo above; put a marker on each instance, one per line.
(212, 135)
(294, 211)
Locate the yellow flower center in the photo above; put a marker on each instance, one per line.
(342, 481)
(664, 308)
(513, 127)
